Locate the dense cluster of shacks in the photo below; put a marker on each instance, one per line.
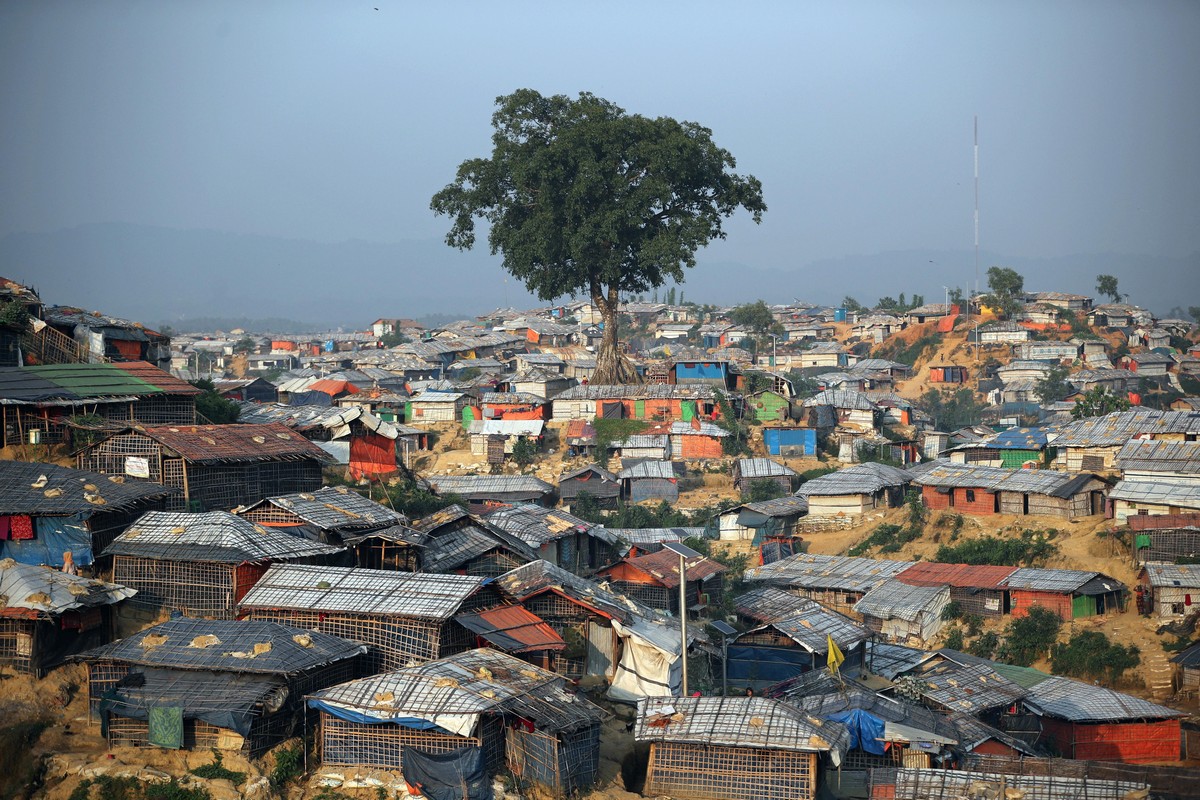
(234, 597)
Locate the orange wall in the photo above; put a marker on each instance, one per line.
(1130, 742)
(702, 447)
(1021, 601)
(984, 500)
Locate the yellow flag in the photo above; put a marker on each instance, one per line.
(835, 655)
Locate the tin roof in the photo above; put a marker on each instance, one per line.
(40, 592)
(537, 526)
(866, 478)
(643, 537)
(595, 469)
(333, 508)
(506, 427)
(464, 685)
(841, 398)
(698, 428)
(966, 576)
(778, 507)
(73, 382)
(810, 625)
(999, 479)
(969, 688)
(227, 646)
(1119, 427)
(1160, 456)
(664, 565)
(1082, 702)
(213, 536)
(210, 444)
(812, 571)
(767, 604)
(513, 629)
(1057, 580)
(954, 784)
(357, 590)
(1183, 492)
(648, 469)
(896, 600)
(747, 722)
(47, 490)
(468, 486)
(762, 468)
(1184, 576)
(539, 576)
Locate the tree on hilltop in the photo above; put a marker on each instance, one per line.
(582, 197)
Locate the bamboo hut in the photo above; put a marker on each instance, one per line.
(904, 613)
(1072, 594)
(516, 631)
(201, 565)
(855, 490)
(453, 540)
(216, 467)
(978, 589)
(734, 748)
(459, 720)
(748, 471)
(1174, 588)
(485, 492)
(219, 684)
(327, 515)
(592, 480)
(49, 615)
(653, 580)
(402, 616)
(836, 582)
(558, 537)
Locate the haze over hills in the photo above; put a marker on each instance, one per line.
(157, 274)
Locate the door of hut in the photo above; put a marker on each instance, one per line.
(1083, 605)
(639, 409)
(688, 409)
(601, 651)
(615, 410)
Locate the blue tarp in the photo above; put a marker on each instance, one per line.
(866, 729)
(759, 666)
(365, 719)
(795, 440)
(53, 536)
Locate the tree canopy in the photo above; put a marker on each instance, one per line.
(1006, 286)
(1107, 286)
(1098, 401)
(1054, 386)
(584, 198)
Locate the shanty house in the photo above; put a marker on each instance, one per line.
(202, 564)
(217, 467)
(558, 537)
(790, 441)
(697, 439)
(1187, 671)
(48, 615)
(1094, 442)
(635, 647)
(401, 616)
(641, 541)
(943, 784)
(748, 471)
(734, 748)
(513, 405)
(978, 589)
(852, 409)
(327, 515)
(904, 613)
(453, 540)
(947, 373)
(436, 407)
(762, 521)
(1174, 588)
(645, 401)
(855, 490)
(1072, 594)
(653, 580)
(1139, 459)
(449, 725)
(212, 684)
(836, 582)
(980, 490)
(972, 688)
(792, 644)
(40, 403)
(1083, 721)
(650, 480)
(484, 492)
(251, 390)
(769, 406)
(643, 446)
(580, 438)
(593, 480)
(1158, 497)
(487, 433)
(47, 510)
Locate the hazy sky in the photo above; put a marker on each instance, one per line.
(332, 121)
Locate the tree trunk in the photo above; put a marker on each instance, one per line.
(611, 365)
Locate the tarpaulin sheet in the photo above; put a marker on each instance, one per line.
(53, 536)
(221, 699)
(866, 729)
(350, 715)
(644, 670)
(759, 666)
(459, 775)
(372, 454)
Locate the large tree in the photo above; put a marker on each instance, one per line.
(1007, 286)
(1107, 286)
(584, 198)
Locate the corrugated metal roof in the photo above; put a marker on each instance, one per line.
(1052, 580)
(812, 571)
(513, 629)
(810, 625)
(664, 565)
(539, 576)
(1082, 702)
(778, 507)
(967, 576)
(969, 688)
(641, 537)
(175, 644)
(866, 478)
(645, 391)
(232, 443)
(755, 722)
(41, 489)
(89, 381)
(537, 526)
(896, 600)
(648, 469)
(333, 508)
(28, 590)
(214, 536)
(768, 603)
(762, 468)
(1181, 492)
(998, 479)
(486, 485)
(955, 784)
(356, 590)
(698, 428)
(642, 441)
(506, 427)
(1160, 456)
(595, 469)
(841, 398)
(1185, 576)
(1121, 426)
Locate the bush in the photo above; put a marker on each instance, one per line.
(954, 639)
(984, 646)
(1030, 549)
(1029, 637)
(289, 765)
(1090, 655)
(953, 610)
(764, 489)
(611, 431)
(217, 769)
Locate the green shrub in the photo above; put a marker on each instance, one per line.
(1030, 549)
(954, 639)
(953, 610)
(1030, 636)
(217, 769)
(1092, 656)
(289, 765)
(984, 646)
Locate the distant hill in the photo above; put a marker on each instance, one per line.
(163, 274)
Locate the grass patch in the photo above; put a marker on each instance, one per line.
(110, 788)
(217, 769)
